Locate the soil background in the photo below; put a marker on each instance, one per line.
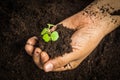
(21, 19)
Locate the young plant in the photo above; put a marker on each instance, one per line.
(47, 35)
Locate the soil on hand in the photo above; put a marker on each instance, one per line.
(22, 19)
(59, 47)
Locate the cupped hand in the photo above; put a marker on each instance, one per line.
(90, 31)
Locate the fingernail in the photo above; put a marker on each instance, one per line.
(48, 67)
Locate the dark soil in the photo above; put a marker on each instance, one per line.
(21, 19)
(59, 47)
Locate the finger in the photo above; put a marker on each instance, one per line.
(44, 57)
(36, 57)
(29, 47)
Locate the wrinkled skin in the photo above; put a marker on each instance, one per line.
(92, 25)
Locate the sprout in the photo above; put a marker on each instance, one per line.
(54, 36)
(47, 35)
(44, 31)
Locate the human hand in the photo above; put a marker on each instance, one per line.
(90, 31)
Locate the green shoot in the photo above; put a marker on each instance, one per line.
(44, 31)
(47, 35)
(54, 36)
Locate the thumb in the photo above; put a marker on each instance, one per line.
(60, 61)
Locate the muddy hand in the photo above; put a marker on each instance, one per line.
(41, 57)
(92, 25)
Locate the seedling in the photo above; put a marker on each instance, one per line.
(47, 35)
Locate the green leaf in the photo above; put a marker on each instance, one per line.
(44, 31)
(54, 36)
(50, 25)
(46, 38)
